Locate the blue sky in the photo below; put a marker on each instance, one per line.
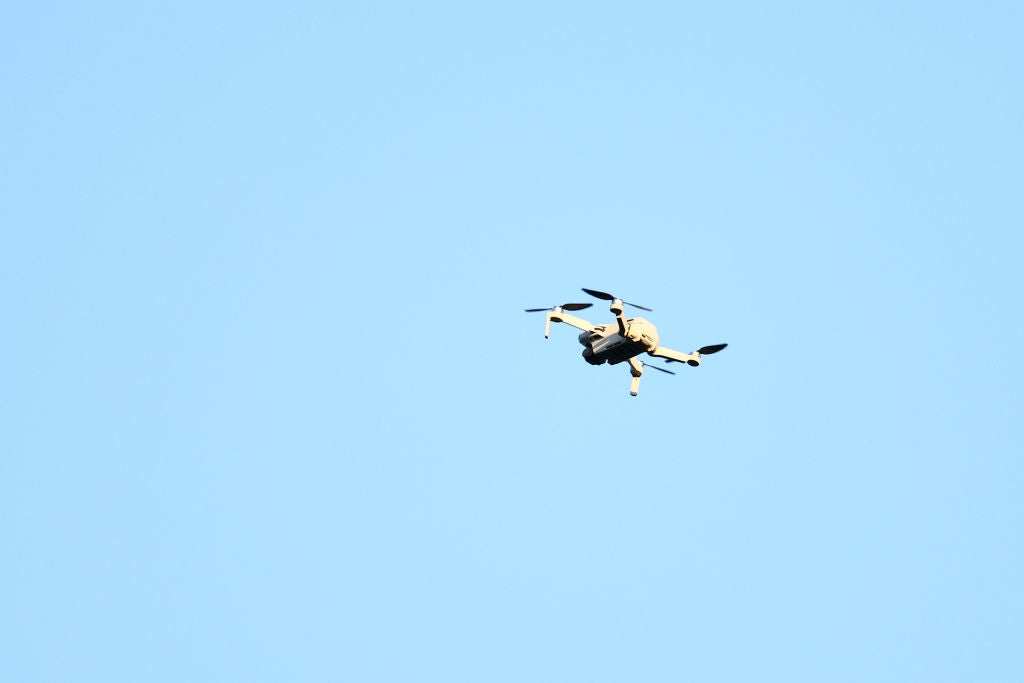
(272, 410)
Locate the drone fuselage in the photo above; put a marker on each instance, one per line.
(620, 341)
(606, 344)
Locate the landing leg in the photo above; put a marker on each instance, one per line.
(636, 368)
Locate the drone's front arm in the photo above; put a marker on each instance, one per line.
(678, 356)
(559, 316)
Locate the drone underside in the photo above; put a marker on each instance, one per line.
(623, 341)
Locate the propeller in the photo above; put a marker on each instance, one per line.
(564, 307)
(609, 297)
(703, 351)
(655, 367)
(708, 350)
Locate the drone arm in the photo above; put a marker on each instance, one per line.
(620, 319)
(636, 369)
(563, 317)
(677, 356)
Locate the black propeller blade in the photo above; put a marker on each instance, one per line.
(708, 350)
(608, 297)
(655, 367)
(599, 295)
(564, 307)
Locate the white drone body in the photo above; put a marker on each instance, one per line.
(623, 340)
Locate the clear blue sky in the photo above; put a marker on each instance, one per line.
(270, 409)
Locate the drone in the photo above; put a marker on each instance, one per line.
(622, 341)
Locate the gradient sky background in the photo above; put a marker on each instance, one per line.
(271, 410)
